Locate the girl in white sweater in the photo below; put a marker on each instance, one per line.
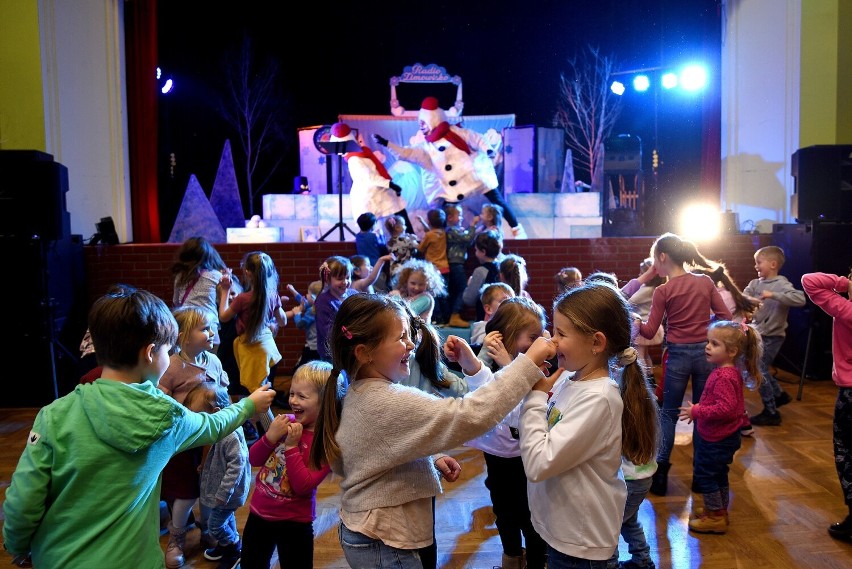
(384, 438)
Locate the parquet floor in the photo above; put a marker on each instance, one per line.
(785, 493)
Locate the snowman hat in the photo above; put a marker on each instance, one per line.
(431, 113)
(341, 132)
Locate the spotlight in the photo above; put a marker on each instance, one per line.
(693, 78)
(700, 222)
(167, 86)
(617, 87)
(669, 80)
(641, 83)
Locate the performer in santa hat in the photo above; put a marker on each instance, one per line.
(372, 188)
(458, 157)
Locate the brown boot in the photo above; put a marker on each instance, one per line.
(174, 551)
(711, 521)
(512, 562)
(456, 321)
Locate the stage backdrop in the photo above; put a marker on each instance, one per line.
(402, 131)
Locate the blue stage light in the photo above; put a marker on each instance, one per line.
(617, 87)
(641, 83)
(167, 87)
(669, 80)
(693, 78)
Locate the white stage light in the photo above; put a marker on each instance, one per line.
(693, 78)
(641, 83)
(700, 222)
(669, 80)
(617, 87)
(167, 87)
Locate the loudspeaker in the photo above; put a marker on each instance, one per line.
(809, 248)
(32, 196)
(622, 153)
(823, 183)
(533, 159)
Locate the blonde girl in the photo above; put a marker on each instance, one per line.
(283, 505)
(491, 217)
(191, 364)
(336, 277)
(419, 282)
(513, 328)
(372, 339)
(572, 441)
(734, 348)
(686, 302)
(513, 272)
(402, 243)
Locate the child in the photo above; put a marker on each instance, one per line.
(419, 283)
(568, 277)
(686, 301)
(365, 274)
(487, 247)
(733, 348)
(433, 248)
(491, 219)
(368, 242)
(572, 442)
(402, 245)
(640, 303)
(492, 296)
(225, 479)
(191, 365)
(283, 505)
(336, 277)
(429, 373)
(513, 271)
(603, 277)
(514, 327)
(305, 318)
(372, 339)
(98, 452)
(775, 295)
(459, 241)
(197, 271)
(826, 291)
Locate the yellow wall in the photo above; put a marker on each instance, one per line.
(21, 98)
(826, 73)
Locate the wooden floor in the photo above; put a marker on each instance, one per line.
(785, 493)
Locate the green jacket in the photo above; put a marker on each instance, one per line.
(86, 490)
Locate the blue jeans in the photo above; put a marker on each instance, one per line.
(559, 560)
(769, 388)
(712, 461)
(684, 361)
(456, 286)
(363, 552)
(222, 525)
(631, 527)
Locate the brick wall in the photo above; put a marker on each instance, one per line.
(148, 266)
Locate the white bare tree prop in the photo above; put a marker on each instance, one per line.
(588, 110)
(252, 104)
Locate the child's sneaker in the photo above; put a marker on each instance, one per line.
(766, 419)
(710, 522)
(746, 430)
(783, 399)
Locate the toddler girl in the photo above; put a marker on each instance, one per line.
(686, 302)
(283, 505)
(733, 348)
(401, 245)
(192, 364)
(419, 282)
(490, 217)
(516, 324)
(372, 339)
(572, 441)
(364, 274)
(336, 277)
(568, 277)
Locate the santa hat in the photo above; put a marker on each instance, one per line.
(340, 132)
(430, 113)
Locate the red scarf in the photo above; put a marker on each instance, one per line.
(367, 153)
(443, 131)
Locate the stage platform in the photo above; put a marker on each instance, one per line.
(304, 218)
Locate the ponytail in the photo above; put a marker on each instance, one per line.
(640, 421)
(325, 449)
(428, 352)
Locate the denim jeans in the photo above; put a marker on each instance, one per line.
(684, 361)
(631, 527)
(559, 560)
(456, 286)
(769, 388)
(712, 461)
(363, 552)
(222, 525)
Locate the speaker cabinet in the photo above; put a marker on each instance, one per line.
(533, 159)
(32, 196)
(822, 183)
(810, 248)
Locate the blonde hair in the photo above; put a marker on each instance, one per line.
(568, 277)
(206, 397)
(189, 317)
(337, 267)
(745, 339)
(489, 292)
(434, 281)
(772, 253)
(316, 373)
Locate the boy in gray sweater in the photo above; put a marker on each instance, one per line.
(776, 295)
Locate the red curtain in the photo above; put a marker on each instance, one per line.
(140, 28)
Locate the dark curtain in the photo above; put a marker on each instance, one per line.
(140, 28)
(711, 111)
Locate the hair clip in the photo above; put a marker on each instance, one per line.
(744, 327)
(346, 332)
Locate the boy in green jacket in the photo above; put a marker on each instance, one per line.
(86, 489)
